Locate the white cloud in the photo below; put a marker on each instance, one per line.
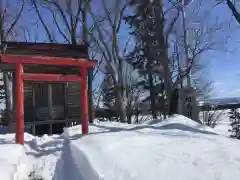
(226, 89)
(217, 83)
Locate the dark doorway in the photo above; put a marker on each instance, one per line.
(49, 102)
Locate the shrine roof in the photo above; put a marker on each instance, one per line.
(45, 49)
(18, 51)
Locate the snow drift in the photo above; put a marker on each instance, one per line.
(176, 148)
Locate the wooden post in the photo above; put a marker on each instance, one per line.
(14, 98)
(34, 129)
(50, 105)
(66, 105)
(90, 98)
(19, 104)
(34, 109)
(84, 100)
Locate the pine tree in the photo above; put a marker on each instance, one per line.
(146, 53)
(108, 90)
(234, 117)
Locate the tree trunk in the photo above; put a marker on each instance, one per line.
(120, 105)
(173, 106)
(152, 96)
(122, 112)
(137, 114)
(234, 10)
(8, 98)
(164, 62)
(129, 114)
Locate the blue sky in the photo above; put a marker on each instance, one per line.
(224, 65)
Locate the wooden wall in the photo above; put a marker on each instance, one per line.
(69, 108)
(28, 101)
(73, 100)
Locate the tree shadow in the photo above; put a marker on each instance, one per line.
(76, 136)
(45, 149)
(4, 141)
(155, 121)
(158, 130)
(171, 126)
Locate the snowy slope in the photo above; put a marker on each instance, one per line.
(9, 162)
(174, 149)
(38, 157)
(223, 126)
(177, 148)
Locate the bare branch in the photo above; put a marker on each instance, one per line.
(16, 19)
(34, 3)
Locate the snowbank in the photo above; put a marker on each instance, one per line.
(37, 158)
(10, 155)
(178, 148)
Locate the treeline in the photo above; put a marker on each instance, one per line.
(145, 48)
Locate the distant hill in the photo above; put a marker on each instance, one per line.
(223, 101)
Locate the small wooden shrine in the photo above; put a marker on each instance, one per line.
(50, 85)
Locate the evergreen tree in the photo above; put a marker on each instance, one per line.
(146, 53)
(108, 90)
(234, 117)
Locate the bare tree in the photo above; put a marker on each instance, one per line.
(199, 37)
(10, 14)
(113, 50)
(212, 118)
(101, 33)
(65, 15)
(231, 5)
(70, 25)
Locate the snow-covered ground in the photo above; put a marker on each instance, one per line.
(177, 148)
(223, 126)
(223, 123)
(37, 158)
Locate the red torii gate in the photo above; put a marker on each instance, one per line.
(20, 61)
